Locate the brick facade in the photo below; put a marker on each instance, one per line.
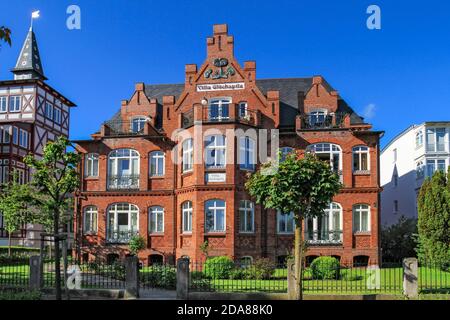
(281, 104)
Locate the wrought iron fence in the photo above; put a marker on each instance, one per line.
(116, 236)
(314, 122)
(434, 278)
(14, 272)
(324, 236)
(123, 182)
(237, 277)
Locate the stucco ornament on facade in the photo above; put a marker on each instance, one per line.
(220, 74)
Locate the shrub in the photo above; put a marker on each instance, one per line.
(136, 244)
(20, 295)
(239, 274)
(325, 268)
(263, 269)
(160, 277)
(197, 275)
(218, 267)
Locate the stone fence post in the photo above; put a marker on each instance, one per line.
(291, 285)
(35, 273)
(410, 278)
(183, 279)
(132, 277)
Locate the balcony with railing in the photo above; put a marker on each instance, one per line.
(324, 237)
(116, 236)
(229, 114)
(136, 127)
(334, 120)
(123, 182)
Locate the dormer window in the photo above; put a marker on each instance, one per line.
(317, 118)
(242, 109)
(218, 109)
(137, 124)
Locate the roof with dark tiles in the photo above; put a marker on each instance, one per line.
(287, 87)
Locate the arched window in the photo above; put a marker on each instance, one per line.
(122, 222)
(361, 218)
(123, 169)
(91, 165)
(137, 124)
(215, 216)
(156, 219)
(186, 211)
(215, 148)
(247, 153)
(328, 152)
(285, 223)
(188, 155)
(285, 151)
(90, 220)
(419, 139)
(327, 228)
(156, 163)
(246, 216)
(219, 109)
(361, 159)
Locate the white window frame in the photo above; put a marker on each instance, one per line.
(358, 210)
(118, 208)
(243, 109)
(15, 103)
(186, 212)
(246, 208)
(57, 115)
(419, 139)
(220, 101)
(139, 122)
(155, 156)
(286, 218)
(316, 115)
(247, 153)
(216, 148)
(212, 205)
(329, 212)
(155, 215)
(90, 219)
(116, 157)
(7, 134)
(357, 152)
(92, 165)
(420, 170)
(433, 146)
(3, 104)
(435, 164)
(188, 154)
(334, 149)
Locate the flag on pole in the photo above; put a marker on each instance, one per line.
(35, 14)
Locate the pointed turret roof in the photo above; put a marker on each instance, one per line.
(29, 64)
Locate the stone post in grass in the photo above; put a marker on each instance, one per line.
(410, 278)
(35, 273)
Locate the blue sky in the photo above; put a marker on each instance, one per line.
(398, 75)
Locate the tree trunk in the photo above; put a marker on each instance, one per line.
(298, 262)
(57, 256)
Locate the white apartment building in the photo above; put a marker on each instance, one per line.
(413, 155)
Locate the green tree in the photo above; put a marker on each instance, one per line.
(5, 35)
(434, 220)
(399, 240)
(56, 177)
(14, 201)
(304, 186)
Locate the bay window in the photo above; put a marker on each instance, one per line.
(435, 164)
(215, 216)
(436, 139)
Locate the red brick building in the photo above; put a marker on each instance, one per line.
(157, 169)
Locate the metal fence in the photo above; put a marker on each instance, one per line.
(227, 276)
(14, 273)
(434, 278)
